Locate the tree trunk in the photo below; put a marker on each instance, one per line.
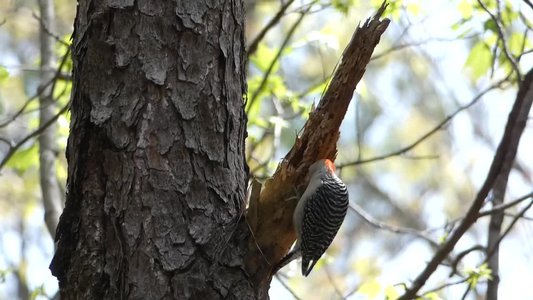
(157, 175)
(51, 194)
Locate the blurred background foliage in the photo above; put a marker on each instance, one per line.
(446, 67)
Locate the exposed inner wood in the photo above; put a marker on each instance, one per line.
(270, 215)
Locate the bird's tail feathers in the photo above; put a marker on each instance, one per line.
(307, 266)
(294, 254)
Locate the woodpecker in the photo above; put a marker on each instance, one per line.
(319, 213)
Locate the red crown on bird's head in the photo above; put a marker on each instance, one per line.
(329, 165)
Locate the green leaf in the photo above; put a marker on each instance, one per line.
(459, 24)
(343, 5)
(260, 122)
(394, 9)
(518, 41)
(443, 238)
(263, 58)
(391, 293)
(431, 296)
(466, 9)
(38, 291)
(491, 25)
(479, 60)
(508, 14)
(61, 49)
(253, 107)
(370, 289)
(413, 8)
(4, 74)
(62, 91)
(276, 85)
(476, 274)
(3, 275)
(22, 160)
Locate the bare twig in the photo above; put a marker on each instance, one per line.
(352, 292)
(40, 90)
(12, 118)
(489, 212)
(508, 229)
(504, 206)
(462, 255)
(396, 229)
(332, 283)
(35, 133)
(502, 38)
(259, 89)
(288, 288)
(467, 290)
(45, 26)
(275, 20)
(440, 287)
(402, 46)
(427, 134)
(6, 141)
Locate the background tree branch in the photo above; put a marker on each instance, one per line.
(505, 154)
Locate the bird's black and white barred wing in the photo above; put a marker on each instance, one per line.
(323, 216)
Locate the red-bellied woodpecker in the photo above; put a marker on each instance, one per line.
(319, 213)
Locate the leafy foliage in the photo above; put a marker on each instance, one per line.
(474, 275)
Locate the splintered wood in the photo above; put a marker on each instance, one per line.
(270, 214)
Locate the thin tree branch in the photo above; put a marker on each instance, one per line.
(507, 149)
(462, 255)
(526, 218)
(40, 90)
(287, 287)
(402, 46)
(261, 35)
(502, 38)
(504, 206)
(353, 291)
(284, 44)
(508, 229)
(427, 134)
(489, 212)
(332, 283)
(6, 141)
(433, 290)
(35, 133)
(467, 290)
(45, 26)
(396, 229)
(493, 251)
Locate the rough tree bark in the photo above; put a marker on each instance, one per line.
(157, 175)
